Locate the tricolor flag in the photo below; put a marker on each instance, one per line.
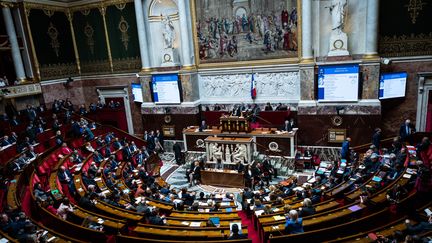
(253, 87)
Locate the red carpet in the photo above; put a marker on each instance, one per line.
(252, 233)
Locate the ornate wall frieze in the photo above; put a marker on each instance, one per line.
(54, 71)
(99, 66)
(270, 86)
(127, 64)
(406, 45)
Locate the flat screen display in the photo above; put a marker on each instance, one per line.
(392, 85)
(166, 89)
(137, 93)
(338, 83)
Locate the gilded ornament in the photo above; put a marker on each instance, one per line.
(89, 31)
(53, 34)
(414, 8)
(123, 26)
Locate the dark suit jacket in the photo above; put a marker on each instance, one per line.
(403, 131)
(62, 177)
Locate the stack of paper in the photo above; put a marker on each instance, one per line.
(278, 217)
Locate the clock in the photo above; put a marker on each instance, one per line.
(167, 58)
(338, 44)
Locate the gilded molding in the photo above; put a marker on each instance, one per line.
(99, 66)
(102, 9)
(406, 45)
(127, 64)
(6, 4)
(62, 70)
(33, 49)
(69, 16)
(290, 60)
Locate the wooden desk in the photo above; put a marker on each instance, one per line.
(286, 140)
(222, 178)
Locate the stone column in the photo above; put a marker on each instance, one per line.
(142, 36)
(372, 28)
(16, 53)
(307, 30)
(186, 51)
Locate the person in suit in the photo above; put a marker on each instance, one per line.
(376, 138)
(345, 148)
(65, 177)
(116, 144)
(151, 141)
(160, 137)
(255, 113)
(406, 130)
(195, 175)
(13, 138)
(14, 122)
(307, 208)
(177, 153)
(268, 107)
(203, 126)
(239, 167)
(146, 135)
(127, 153)
(288, 126)
(5, 141)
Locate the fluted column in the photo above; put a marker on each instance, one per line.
(185, 40)
(142, 36)
(16, 53)
(306, 30)
(372, 28)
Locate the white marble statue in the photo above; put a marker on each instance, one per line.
(337, 10)
(168, 32)
(216, 151)
(239, 153)
(227, 154)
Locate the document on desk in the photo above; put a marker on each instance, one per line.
(407, 176)
(98, 179)
(259, 212)
(195, 224)
(185, 223)
(278, 217)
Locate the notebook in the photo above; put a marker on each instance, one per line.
(354, 208)
(215, 220)
(377, 179)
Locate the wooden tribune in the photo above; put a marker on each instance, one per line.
(222, 178)
(234, 124)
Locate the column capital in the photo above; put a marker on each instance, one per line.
(4, 4)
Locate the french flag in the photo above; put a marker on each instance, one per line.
(253, 87)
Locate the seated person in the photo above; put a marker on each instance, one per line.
(64, 209)
(307, 208)
(235, 233)
(294, 224)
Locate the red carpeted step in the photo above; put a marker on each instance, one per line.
(252, 233)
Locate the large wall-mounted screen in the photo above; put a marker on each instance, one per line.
(338, 83)
(166, 89)
(392, 85)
